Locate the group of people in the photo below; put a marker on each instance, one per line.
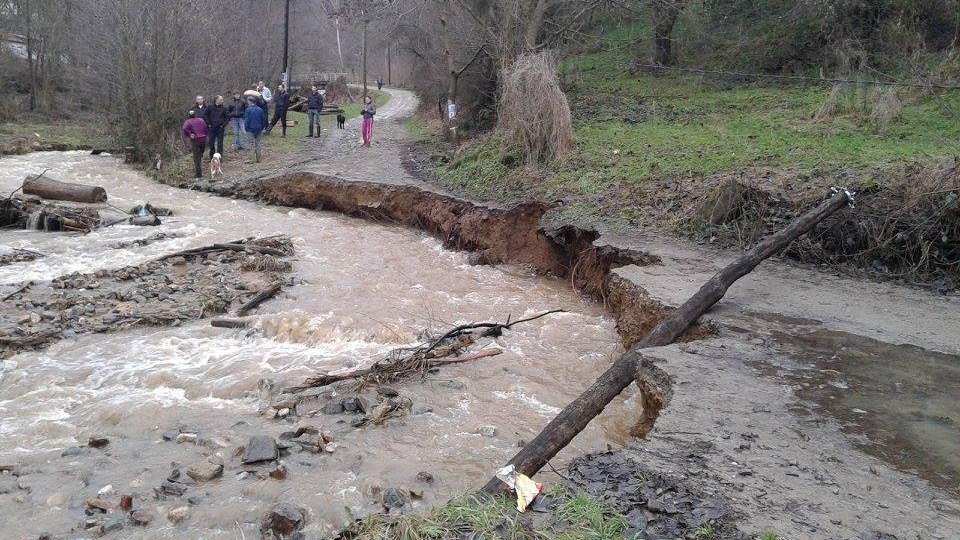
(247, 116)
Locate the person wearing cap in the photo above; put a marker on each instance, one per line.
(195, 130)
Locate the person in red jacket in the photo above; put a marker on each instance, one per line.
(195, 129)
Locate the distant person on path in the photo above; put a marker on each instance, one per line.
(217, 118)
(281, 104)
(267, 97)
(237, 107)
(380, 83)
(366, 129)
(314, 106)
(195, 129)
(255, 120)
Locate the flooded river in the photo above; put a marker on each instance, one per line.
(363, 289)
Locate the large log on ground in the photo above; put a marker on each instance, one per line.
(63, 191)
(575, 416)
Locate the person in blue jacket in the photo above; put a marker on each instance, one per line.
(255, 121)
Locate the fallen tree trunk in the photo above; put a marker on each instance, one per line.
(259, 298)
(328, 379)
(575, 416)
(229, 323)
(48, 188)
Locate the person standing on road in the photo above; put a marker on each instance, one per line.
(235, 112)
(280, 106)
(195, 129)
(267, 97)
(254, 120)
(314, 107)
(379, 83)
(217, 118)
(366, 129)
(200, 107)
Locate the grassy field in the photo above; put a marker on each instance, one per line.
(72, 134)
(634, 128)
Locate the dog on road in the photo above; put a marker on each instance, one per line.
(341, 120)
(215, 168)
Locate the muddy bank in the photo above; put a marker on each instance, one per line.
(164, 292)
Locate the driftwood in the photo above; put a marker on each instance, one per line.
(48, 188)
(229, 323)
(575, 416)
(421, 359)
(258, 299)
(244, 245)
(34, 214)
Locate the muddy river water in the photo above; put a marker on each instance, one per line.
(362, 289)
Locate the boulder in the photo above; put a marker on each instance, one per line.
(282, 521)
(260, 448)
(141, 517)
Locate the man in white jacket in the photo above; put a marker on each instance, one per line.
(267, 95)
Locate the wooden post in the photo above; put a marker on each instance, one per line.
(575, 416)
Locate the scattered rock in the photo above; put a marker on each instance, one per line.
(425, 477)
(279, 473)
(260, 448)
(356, 404)
(487, 431)
(282, 520)
(96, 503)
(393, 498)
(205, 471)
(387, 391)
(141, 517)
(179, 514)
(74, 451)
(98, 442)
(187, 438)
(105, 491)
(333, 407)
(126, 503)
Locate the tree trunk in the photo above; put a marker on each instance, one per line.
(575, 416)
(534, 24)
(63, 191)
(364, 58)
(664, 14)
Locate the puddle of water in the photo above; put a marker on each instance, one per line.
(366, 289)
(899, 402)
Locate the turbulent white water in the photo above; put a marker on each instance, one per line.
(363, 290)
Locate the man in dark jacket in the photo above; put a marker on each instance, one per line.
(255, 120)
(200, 107)
(314, 106)
(281, 102)
(217, 117)
(195, 130)
(235, 111)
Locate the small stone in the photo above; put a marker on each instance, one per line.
(282, 520)
(393, 498)
(126, 502)
(425, 477)
(141, 517)
(172, 488)
(98, 442)
(170, 435)
(358, 421)
(195, 500)
(279, 473)
(179, 514)
(356, 404)
(113, 525)
(260, 448)
(283, 413)
(187, 438)
(333, 407)
(327, 436)
(105, 491)
(96, 503)
(205, 471)
(487, 431)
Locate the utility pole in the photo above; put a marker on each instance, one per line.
(286, 45)
(364, 56)
(389, 76)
